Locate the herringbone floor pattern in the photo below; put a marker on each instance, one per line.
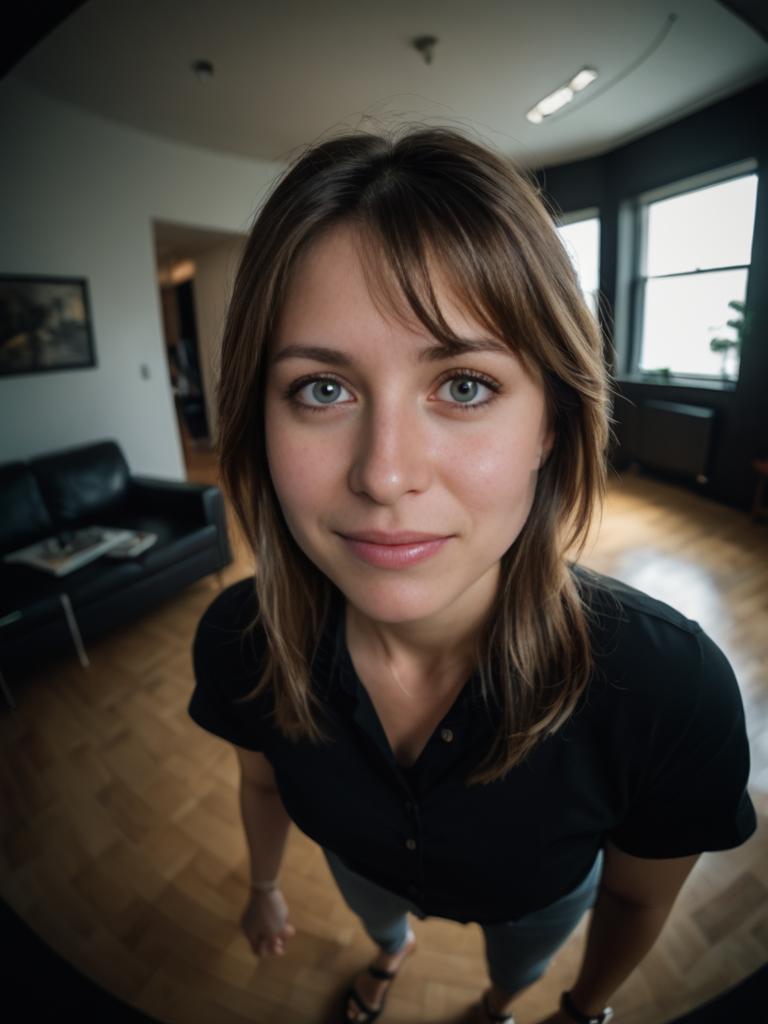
(121, 844)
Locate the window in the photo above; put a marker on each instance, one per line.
(580, 233)
(693, 261)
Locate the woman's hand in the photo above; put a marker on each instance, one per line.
(265, 922)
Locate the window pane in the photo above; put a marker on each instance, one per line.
(709, 227)
(582, 240)
(682, 315)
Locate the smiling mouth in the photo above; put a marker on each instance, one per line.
(394, 556)
(395, 538)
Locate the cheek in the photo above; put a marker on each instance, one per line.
(495, 475)
(300, 471)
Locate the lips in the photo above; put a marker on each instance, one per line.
(395, 556)
(395, 537)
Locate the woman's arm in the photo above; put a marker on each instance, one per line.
(266, 825)
(620, 935)
(265, 819)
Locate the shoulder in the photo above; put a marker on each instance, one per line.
(627, 623)
(651, 649)
(645, 644)
(227, 659)
(611, 598)
(232, 608)
(671, 716)
(224, 640)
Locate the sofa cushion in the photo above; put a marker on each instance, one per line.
(82, 484)
(36, 593)
(100, 579)
(177, 539)
(23, 515)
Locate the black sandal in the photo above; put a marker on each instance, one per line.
(496, 1018)
(351, 993)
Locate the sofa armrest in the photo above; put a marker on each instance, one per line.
(174, 497)
(203, 503)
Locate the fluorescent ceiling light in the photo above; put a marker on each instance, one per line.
(582, 79)
(560, 97)
(555, 101)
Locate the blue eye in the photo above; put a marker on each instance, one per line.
(467, 389)
(323, 390)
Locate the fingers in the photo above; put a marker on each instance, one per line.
(275, 945)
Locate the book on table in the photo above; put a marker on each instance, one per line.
(134, 545)
(68, 550)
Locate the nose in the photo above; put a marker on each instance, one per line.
(391, 453)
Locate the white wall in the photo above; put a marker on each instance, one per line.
(78, 195)
(215, 271)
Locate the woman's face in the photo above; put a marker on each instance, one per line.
(388, 441)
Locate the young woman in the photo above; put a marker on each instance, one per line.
(413, 424)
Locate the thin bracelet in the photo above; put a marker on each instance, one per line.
(265, 886)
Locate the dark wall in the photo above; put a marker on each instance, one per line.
(724, 133)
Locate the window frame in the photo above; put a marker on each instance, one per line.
(632, 279)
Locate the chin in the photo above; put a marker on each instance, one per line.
(395, 600)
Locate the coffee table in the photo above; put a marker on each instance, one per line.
(74, 632)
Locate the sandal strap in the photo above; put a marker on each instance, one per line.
(379, 972)
(384, 975)
(371, 1013)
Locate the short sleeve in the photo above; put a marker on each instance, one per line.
(694, 796)
(226, 666)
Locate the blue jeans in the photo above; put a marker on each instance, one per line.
(517, 952)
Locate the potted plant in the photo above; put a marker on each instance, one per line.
(740, 324)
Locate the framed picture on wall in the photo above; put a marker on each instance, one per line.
(45, 324)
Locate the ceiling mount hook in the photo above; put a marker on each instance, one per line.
(425, 45)
(203, 69)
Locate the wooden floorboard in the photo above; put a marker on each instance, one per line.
(121, 844)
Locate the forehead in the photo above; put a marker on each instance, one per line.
(338, 272)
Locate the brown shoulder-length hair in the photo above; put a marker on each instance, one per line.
(426, 197)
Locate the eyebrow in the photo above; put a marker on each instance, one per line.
(431, 354)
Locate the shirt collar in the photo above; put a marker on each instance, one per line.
(334, 671)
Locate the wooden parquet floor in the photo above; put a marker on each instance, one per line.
(121, 844)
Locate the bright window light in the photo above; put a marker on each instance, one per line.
(698, 249)
(711, 227)
(582, 242)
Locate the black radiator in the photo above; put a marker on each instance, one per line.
(676, 437)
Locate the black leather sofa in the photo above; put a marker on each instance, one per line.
(43, 615)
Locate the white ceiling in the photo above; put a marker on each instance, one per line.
(289, 72)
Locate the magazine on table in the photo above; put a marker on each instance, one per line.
(136, 544)
(70, 549)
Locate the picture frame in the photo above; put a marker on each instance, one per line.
(45, 324)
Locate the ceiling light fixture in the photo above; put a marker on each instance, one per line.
(425, 45)
(203, 69)
(582, 79)
(560, 97)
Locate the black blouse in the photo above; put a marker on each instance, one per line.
(655, 757)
